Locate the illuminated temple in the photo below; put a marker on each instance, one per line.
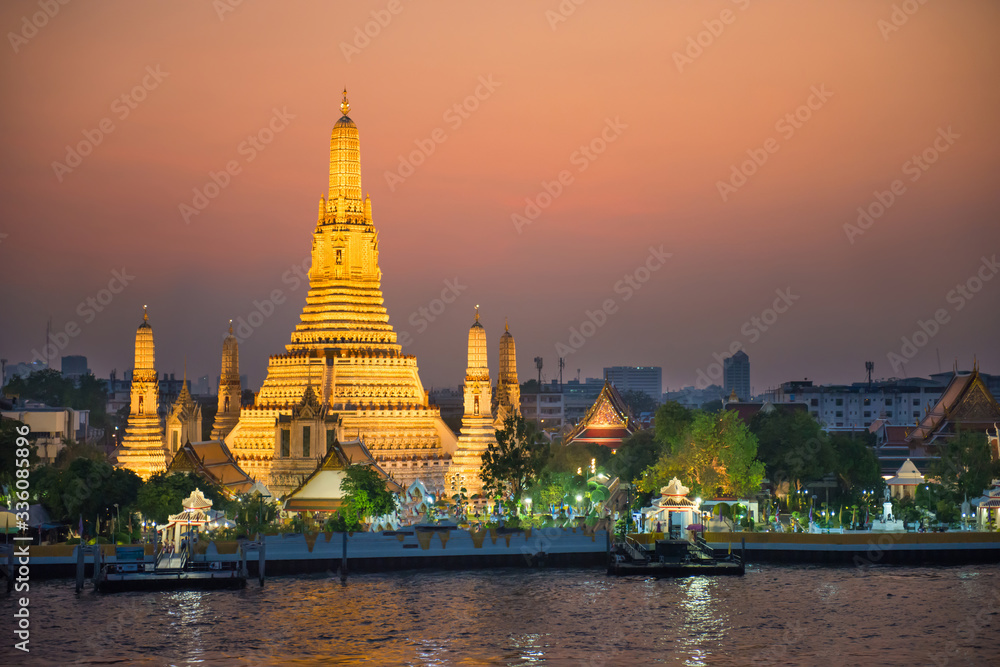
(142, 448)
(477, 422)
(343, 375)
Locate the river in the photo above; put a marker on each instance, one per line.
(774, 615)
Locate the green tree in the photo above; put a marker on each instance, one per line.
(792, 446)
(85, 488)
(11, 430)
(671, 424)
(73, 450)
(639, 451)
(718, 454)
(514, 461)
(365, 495)
(47, 386)
(639, 401)
(855, 462)
(965, 467)
(163, 494)
(253, 514)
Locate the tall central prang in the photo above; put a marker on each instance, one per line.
(343, 375)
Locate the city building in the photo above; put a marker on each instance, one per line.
(51, 426)
(857, 406)
(736, 375)
(142, 448)
(344, 369)
(74, 367)
(22, 370)
(477, 423)
(693, 397)
(558, 409)
(647, 379)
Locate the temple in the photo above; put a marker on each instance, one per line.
(184, 420)
(966, 404)
(230, 390)
(142, 448)
(507, 399)
(477, 422)
(343, 375)
(608, 421)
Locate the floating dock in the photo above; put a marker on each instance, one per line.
(638, 555)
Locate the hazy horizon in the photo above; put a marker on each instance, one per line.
(671, 178)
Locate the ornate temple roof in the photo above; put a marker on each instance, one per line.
(607, 422)
(966, 402)
(320, 491)
(212, 461)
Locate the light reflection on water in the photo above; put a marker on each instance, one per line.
(773, 615)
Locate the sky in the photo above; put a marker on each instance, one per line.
(628, 183)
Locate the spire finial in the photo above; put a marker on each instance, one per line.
(230, 326)
(477, 312)
(145, 315)
(185, 370)
(505, 327)
(345, 106)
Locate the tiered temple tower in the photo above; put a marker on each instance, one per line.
(230, 389)
(477, 423)
(345, 354)
(142, 448)
(508, 396)
(184, 421)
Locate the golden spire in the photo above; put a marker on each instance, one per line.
(230, 326)
(505, 327)
(145, 315)
(345, 106)
(477, 312)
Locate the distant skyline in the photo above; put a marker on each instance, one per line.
(648, 184)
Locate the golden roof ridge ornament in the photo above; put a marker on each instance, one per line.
(345, 106)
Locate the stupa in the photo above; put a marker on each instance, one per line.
(343, 376)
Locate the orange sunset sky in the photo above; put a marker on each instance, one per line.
(887, 81)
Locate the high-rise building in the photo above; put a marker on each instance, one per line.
(230, 388)
(477, 423)
(736, 375)
(647, 379)
(142, 447)
(344, 374)
(508, 394)
(74, 366)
